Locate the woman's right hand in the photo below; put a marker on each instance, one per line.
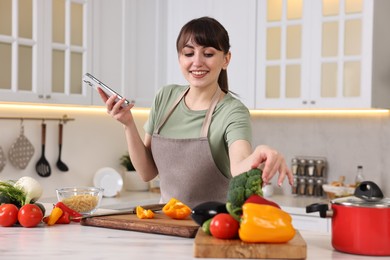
(115, 109)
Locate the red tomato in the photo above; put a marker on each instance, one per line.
(224, 226)
(30, 215)
(8, 215)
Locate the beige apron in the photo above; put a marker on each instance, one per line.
(186, 167)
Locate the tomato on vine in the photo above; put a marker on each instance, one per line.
(8, 215)
(224, 226)
(30, 215)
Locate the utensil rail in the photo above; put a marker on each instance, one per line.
(63, 119)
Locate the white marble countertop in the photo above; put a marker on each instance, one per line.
(85, 242)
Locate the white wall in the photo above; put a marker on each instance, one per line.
(94, 140)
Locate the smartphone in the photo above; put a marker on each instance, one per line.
(95, 83)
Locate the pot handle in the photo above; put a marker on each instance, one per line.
(369, 191)
(323, 209)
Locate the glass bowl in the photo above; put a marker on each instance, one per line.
(85, 200)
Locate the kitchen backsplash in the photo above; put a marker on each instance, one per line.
(94, 140)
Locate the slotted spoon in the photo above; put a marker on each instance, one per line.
(43, 167)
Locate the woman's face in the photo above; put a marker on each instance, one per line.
(201, 65)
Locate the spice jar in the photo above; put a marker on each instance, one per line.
(310, 187)
(302, 186)
(310, 168)
(320, 168)
(302, 167)
(294, 166)
(318, 188)
(294, 188)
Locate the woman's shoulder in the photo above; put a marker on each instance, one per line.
(172, 90)
(231, 102)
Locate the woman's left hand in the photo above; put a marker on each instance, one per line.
(271, 162)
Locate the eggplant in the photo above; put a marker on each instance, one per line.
(207, 210)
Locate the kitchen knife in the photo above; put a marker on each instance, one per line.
(153, 207)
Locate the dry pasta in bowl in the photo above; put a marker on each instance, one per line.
(84, 200)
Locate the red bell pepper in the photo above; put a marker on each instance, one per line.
(64, 219)
(74, 215)
(260, 200)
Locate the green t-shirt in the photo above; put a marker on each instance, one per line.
(230, 122)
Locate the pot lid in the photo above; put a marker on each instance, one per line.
(353, 201)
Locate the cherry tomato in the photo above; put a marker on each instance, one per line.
(224, 226)
(30, 215)
(8, 215)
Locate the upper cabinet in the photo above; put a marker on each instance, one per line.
(45, 49)
(323, 54)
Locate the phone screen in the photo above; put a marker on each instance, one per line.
(95, 83)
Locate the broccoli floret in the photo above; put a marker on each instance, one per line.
(242, 187)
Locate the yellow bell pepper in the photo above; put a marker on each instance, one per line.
(176, 209)
(264, 223)
(55, 214)
(144, 213)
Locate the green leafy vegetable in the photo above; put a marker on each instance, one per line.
(15, 195)
(242, 187)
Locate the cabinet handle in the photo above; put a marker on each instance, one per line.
(304, 102)
(41, 96)
(313, 102)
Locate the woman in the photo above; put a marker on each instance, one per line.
(197, 136)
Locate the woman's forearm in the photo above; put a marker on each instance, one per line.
(140, 153)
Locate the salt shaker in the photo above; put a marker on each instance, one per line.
(268, 190)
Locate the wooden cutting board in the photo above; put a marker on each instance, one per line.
(206, 246)
(160, 224)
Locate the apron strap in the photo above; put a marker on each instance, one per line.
(207, 120)
(157, 131)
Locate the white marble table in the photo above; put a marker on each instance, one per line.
(75, 241)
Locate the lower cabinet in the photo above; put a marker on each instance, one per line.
(311, 223)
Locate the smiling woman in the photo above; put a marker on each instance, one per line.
(197, 135)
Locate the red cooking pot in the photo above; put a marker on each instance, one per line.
(360, 223)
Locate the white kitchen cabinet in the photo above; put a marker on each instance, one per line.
(129, 48)
(310, 223)
(239, 19)
(45, 48)
(323, 54)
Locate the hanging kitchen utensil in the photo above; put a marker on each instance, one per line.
(368, 191)
(43, 167)
(60, 164)
(2, 159)
(21, 151)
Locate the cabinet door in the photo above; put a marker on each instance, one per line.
(45, 45)
(68, 46)
(283, 55)
(315, 54)
(129, 48)
(341, 53)
(239, 19)
(20, 48)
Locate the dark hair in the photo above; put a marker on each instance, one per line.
(208, 32)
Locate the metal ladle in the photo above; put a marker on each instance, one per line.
(60, 164)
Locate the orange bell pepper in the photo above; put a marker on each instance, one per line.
(144, 213)
(176, 209)
(265, 223)
(55, 214)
